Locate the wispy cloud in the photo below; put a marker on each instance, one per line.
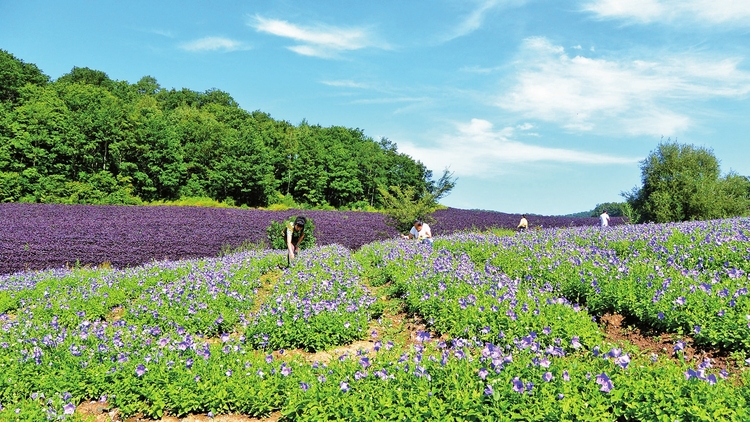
(476, 149)
(480, 69)
(345, 84)
(163, 33)
(320, 40)
(632, 96)
(646, 11)
(474, 19)
(214, 44)
(391, 100)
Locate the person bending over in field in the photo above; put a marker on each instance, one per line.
(523, 225)
(294, 233)
(420, 231)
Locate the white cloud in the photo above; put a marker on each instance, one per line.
(475, 149)
(646, 11)
(525, 126)
(631, 96)
(475, 18)
(213, 44)
(319, 41)
(479, 69)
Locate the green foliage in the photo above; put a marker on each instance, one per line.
(57, 139)
(276, 239)
(614, 209)
(682, 183)
(403, 206)
(193, 202)
(15, 74)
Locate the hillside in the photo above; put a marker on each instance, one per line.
(87, 139)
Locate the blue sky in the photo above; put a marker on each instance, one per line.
(541, 106)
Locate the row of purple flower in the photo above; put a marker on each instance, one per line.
(42, 236)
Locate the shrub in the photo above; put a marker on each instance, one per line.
(276, 240)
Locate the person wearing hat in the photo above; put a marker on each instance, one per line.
(294, 233)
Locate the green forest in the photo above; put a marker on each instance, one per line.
(85, 138)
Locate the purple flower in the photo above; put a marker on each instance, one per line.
(575, 342)
(365, 362)
(304, 386)
(623, 361)
(547, 376)
(286, 370)
(518, 386)
(344, 386)
(697, 329)
(566, 376)
(483, 372)
(269, 358)
(488, 391)
(69, 409)
(423, 336)
(680, 300)
(140, 370)
(229, 373)
(360, 374)
(606, 383)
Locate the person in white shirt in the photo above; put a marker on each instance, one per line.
(604, 219)
(523, 225)
(420, 231)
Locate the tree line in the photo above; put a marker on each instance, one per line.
(683, 182)
(85, 138)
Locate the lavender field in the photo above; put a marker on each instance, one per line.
(44, 236)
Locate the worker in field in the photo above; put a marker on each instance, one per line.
(420, 231)
(604, 219)
(293, 234)
(523, 225)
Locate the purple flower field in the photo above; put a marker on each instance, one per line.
(43, 236)
(452, 220)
